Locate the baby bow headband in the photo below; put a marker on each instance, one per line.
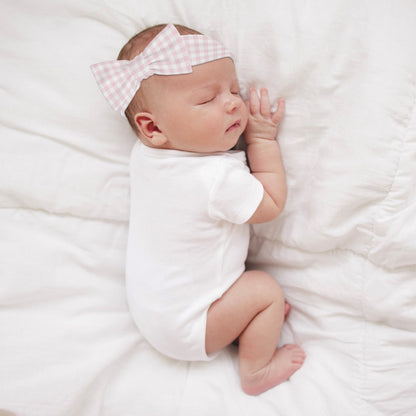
(168, 53)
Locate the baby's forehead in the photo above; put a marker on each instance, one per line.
(209, 75)
(218, 71)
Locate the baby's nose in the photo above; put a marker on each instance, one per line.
(232, 103)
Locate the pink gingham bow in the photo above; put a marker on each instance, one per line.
(168, 53)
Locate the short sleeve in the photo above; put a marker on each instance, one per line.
(236, 193)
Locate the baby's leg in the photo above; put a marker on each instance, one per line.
(253, 309)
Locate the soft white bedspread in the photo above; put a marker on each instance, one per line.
(344, 249)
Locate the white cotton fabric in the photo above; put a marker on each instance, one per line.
(188, 241)
(344, 248)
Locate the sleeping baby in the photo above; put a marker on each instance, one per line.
(192, 200)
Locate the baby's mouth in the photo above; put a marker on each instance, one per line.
(234, 126)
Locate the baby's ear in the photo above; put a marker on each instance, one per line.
(146, 124)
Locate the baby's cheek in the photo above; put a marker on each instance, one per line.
(244, 123)
(244, 110)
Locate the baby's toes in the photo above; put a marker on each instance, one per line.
(298, 356)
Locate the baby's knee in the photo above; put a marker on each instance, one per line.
(266, 285)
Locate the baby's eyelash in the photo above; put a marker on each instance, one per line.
(205, 101)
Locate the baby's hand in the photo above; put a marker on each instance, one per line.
(262, 123)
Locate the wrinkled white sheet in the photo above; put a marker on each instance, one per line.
(344, 249)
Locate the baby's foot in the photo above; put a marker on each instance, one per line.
(287, 309)
(285, 361)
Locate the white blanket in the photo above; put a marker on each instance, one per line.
(344, 249)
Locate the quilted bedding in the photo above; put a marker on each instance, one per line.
(344, 249)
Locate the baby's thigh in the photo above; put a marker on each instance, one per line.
(228, 316)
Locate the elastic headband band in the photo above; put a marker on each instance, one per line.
(168, 53)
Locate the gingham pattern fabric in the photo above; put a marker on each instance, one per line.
(204, 49)
(168, 53)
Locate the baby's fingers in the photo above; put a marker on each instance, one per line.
(278, 114)
(264, 103)
(254, 102)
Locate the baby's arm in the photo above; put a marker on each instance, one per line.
(264, 157)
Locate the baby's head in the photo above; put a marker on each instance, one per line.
(186, 100)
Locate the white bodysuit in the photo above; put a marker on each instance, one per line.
(188, 241)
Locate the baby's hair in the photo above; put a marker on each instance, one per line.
(135, 46)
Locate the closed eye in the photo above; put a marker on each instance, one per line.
(206, 100)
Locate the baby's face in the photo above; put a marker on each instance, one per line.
(201, 111)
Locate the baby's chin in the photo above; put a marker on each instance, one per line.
(240, 144)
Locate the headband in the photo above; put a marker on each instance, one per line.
(168, 53)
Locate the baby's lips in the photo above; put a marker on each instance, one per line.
(234, 125)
